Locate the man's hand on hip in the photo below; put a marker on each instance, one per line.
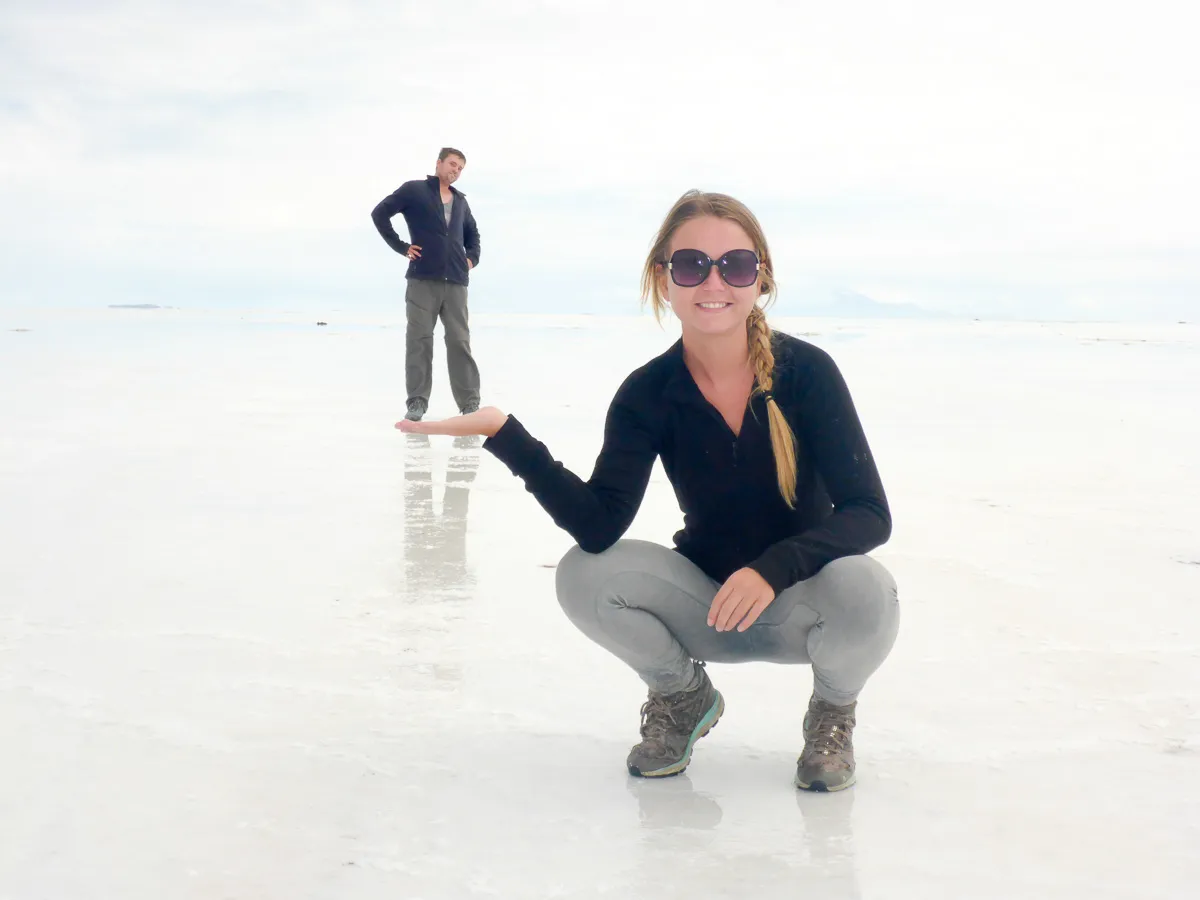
(413, 251)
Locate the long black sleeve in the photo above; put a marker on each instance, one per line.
(596, 512)
(734, 515)
(471, 237)
(381, 215)
(831, 433)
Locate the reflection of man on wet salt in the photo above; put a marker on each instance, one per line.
(435, 545)
(438, 583)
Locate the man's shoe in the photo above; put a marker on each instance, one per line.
(416, 410)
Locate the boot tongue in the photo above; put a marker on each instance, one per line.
(831, 727)
(657, 718)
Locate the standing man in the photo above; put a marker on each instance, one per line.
(444, 249)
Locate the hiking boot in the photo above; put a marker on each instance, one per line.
(416, 410)
(471, 407)
(671, 725)
(827, 761)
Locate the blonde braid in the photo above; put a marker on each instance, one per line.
(783, 442)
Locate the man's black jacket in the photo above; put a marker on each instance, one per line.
(444, 249)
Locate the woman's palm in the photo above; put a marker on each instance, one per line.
(485, 421)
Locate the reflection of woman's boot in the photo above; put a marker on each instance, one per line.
(829, 839)
(674, 803)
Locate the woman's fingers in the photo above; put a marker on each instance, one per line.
(737, 607)
(739, 602)
(452, 426)
(755, 611)
(734, 599)
(718, 603)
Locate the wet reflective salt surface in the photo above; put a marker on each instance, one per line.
(256, 643)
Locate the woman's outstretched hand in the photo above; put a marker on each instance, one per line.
(486, 422)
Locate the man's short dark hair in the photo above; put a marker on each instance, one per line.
(450, 151)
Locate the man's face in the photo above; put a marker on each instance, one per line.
(450, 168)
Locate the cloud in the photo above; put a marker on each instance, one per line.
(909, 147)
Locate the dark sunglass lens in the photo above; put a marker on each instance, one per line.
(689, 267)
(739, 267)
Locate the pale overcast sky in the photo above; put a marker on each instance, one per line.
(1020, 159)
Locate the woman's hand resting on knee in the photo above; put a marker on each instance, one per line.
(740, 601)
(485, 421)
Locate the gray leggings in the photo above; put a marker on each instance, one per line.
(648, 605)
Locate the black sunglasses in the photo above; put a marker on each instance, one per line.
(689, 268)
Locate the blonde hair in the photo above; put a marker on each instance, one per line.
(694, 205)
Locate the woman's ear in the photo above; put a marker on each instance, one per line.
(660, 275)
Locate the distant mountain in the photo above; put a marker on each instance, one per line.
(853, 305)
(136, 306)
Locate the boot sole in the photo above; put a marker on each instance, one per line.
(703, 727)
(820, 787)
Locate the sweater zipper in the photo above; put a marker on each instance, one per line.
(733, 445)
(441, 213)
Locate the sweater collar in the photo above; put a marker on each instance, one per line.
(681, 387)
(435, 185)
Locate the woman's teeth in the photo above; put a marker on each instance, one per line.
(713, 305)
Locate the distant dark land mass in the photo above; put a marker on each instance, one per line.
(851, 304)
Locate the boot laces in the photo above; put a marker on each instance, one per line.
(658, 718)
(666, 714)
(830, 730)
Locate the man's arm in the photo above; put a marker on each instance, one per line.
(471, 237)
(381, 215)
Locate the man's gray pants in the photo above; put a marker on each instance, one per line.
(425, 302)
(648, 605)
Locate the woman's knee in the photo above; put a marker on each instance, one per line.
(580, 575)
(584, 580)
(862, 592)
